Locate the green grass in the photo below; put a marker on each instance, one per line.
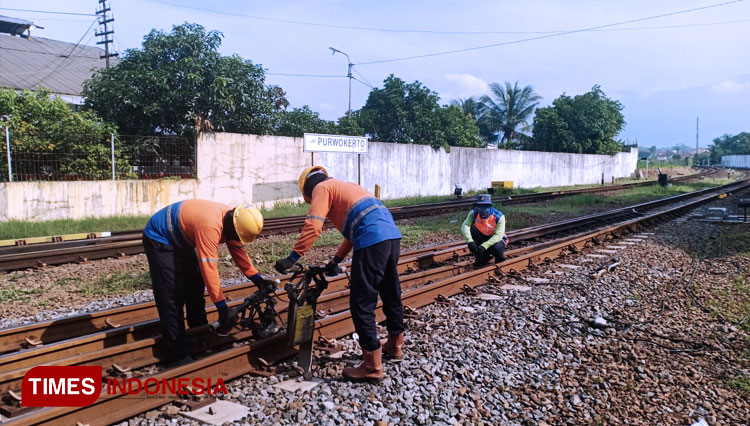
(15, 293)
(741, 384)
(13, 229)
(118, 283)
(570, 205)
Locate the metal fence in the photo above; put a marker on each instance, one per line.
(117, 157)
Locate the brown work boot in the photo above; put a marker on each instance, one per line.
(370, 369)
(393, 348)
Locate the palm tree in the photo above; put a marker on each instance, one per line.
(510, 109)
(473, 109)
(469, 106)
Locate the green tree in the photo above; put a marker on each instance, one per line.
(349, 125)
(456, 129)
(178, 83)
(738, 144)
(58, 143)
(586, 124)
(508, 109)
(410, 113)
(302, 120)
(472, 108)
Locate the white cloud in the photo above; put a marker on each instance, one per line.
(731, 86)
(463, 86)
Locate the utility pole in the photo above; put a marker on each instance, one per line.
(103, 21)
(349, 75)
(696, 139)
(349, 111)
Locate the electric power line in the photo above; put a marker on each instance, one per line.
(47, 11)
(305, 75)
(363, 77)
(66, 57)
(630, 21)
(397, 30)
(363, 83)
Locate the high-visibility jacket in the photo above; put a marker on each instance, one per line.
(360, 217)
(198, 224)
(492, 226)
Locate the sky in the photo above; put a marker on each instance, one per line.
(667, 64)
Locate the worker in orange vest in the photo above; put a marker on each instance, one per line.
(182, 246)
(368, 227)
(484, 231)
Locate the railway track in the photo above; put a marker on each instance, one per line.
(426, 275)
(126, 243)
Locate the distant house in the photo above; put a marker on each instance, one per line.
(30, 63)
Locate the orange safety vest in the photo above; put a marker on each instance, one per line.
(485, 226)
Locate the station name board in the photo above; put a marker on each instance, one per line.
(335, 143)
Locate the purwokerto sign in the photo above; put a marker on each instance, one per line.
(335, 143)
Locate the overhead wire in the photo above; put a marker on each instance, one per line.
(630, 21)
(47, 11)
(363, 83)
(305, 75)
(67, 56)
(398, 30)
(363, 77)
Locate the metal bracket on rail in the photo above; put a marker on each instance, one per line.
(261, 367)
(328, 346)
(442, 300)
(108, 322)
(194, 401)
(410, 312)
(122, 372)
(31, 342)
(10, 405)
(470, 291)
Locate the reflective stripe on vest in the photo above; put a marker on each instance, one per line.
(485, 226)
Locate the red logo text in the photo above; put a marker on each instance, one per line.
(56, 386)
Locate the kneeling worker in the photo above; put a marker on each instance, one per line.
(367, 225)
(182, 246)
(484, 231)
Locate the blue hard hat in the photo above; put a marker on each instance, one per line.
(483, 200)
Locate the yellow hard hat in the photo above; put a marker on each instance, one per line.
(303, 176)
(248, 222)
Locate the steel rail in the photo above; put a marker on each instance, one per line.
(50, 331)
(334, 301)
(232, 363)
(21, 257)
(55, 330)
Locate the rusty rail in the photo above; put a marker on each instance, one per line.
(238, 361)
(51, 331)
(129, 242)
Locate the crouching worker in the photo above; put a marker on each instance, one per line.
(368, 227)
(182, 246)
(484, 231)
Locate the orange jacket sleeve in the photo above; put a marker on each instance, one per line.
(207, 248)
(320, 205)
(241, 258)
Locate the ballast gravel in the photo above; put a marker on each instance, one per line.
(630, 346)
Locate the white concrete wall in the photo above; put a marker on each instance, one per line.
(249, 169)
(736, 161)
(38, 201)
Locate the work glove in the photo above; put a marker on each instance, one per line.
(473, 247)
(266, 286)
(481, 251)
(332, 269)
(283, 265)
(227, 318)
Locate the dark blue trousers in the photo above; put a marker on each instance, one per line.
(374, 272)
